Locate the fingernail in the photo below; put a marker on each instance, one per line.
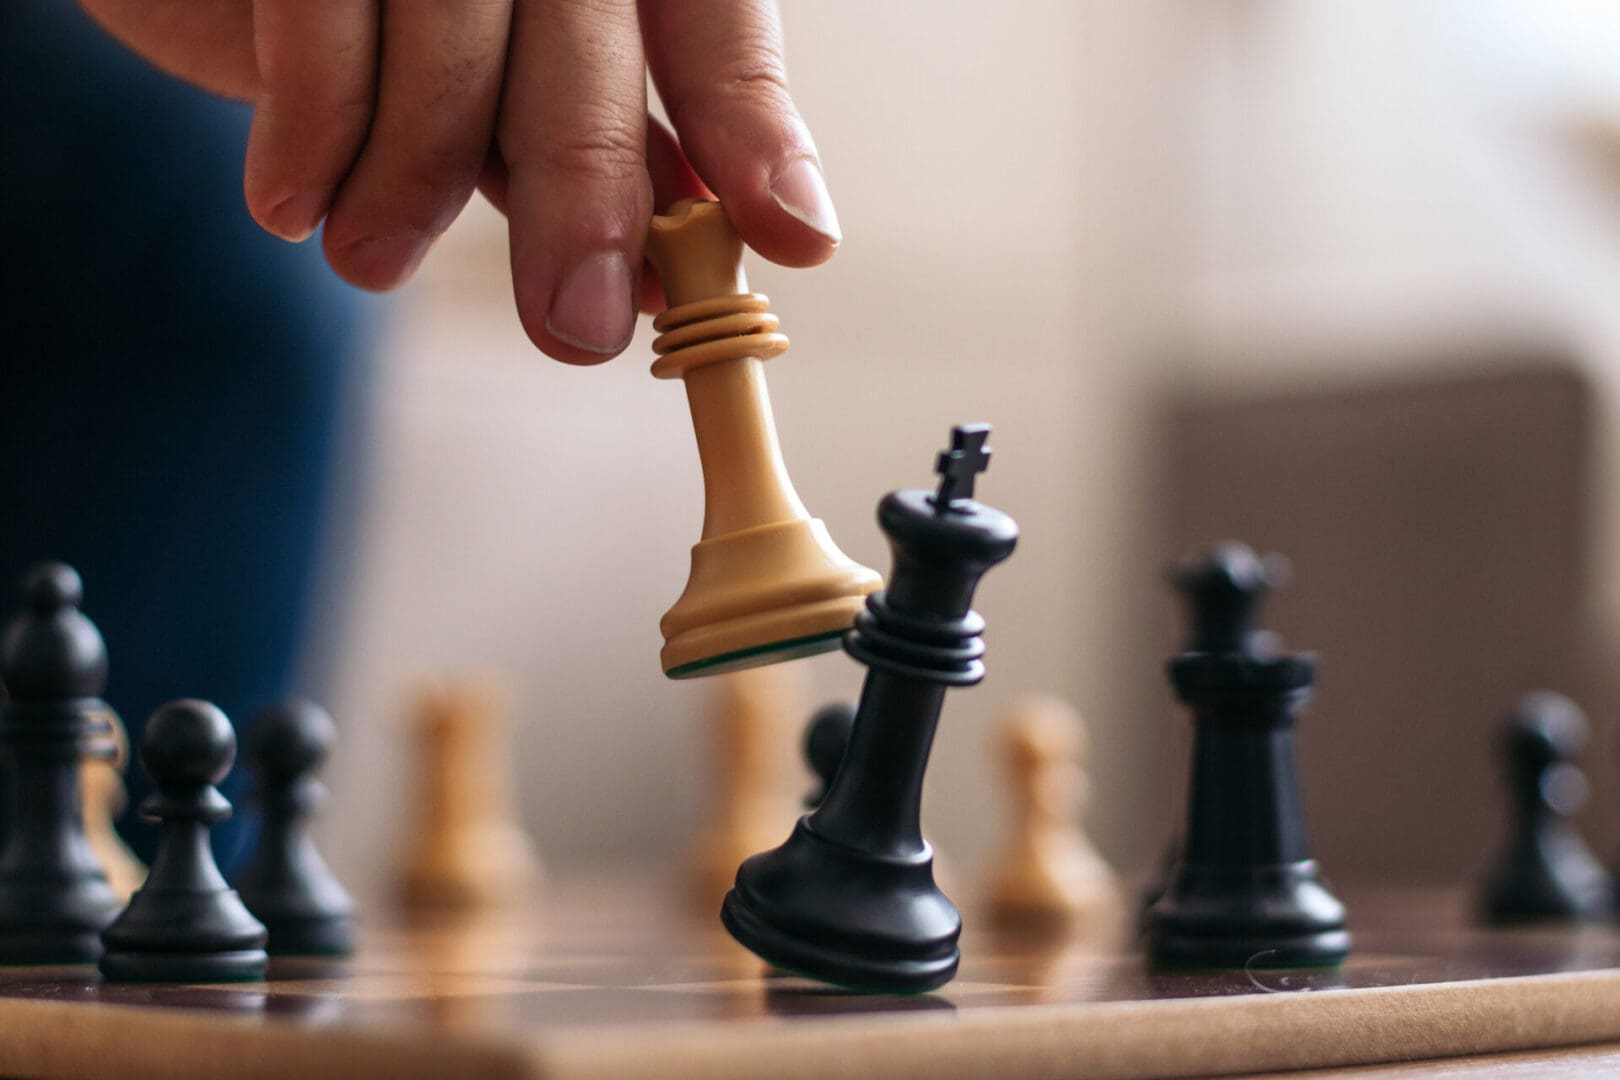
(295, 218)
(387, 262)
(800, 190)
(592, 308)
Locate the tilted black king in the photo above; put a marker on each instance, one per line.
(850, 897)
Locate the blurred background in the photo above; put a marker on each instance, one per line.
(1337, 280)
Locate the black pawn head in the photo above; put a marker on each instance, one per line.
(187, 748)
(1224, 589)
(50, 651)
(825, 740)
(289, 741)
(1543, 735)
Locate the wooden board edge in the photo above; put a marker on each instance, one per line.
(1120, 1040)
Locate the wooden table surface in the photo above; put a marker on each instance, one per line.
(619, 978)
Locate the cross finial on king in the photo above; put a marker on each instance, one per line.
(957, 467)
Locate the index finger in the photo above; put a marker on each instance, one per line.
(718, 67)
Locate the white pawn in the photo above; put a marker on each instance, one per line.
(467, 853)
(101, 787)
(1048, 872)
(755, 776)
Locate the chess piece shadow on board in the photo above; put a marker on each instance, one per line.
(1047, 875)
(1245, 892)
(466, 852)
(101, 778)
(54, 895)
(767, 582)
(1441, 515)
(1545, 871)
(850, 898)
(753, 723)
(185, 924)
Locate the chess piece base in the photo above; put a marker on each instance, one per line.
(823, 910)
(54, 926)
(1266, 917)
(776, 592)
(171, 935)
(310, 936)
(243, 965)
(1555, 880)
(1029, 890)
(26, 948)
(476, 868)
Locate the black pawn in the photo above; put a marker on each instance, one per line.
(287, 884)
(825, 740)
(1244, 892)
(1546, 870)
(54, 896)
(850, 897)
(185, 924)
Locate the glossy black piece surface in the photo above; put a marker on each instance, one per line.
(54, 896)
(286, 884)
(850, 898)
(185, 924)
(1545, 870)
(1244, 892)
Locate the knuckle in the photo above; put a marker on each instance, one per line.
(413, 202)
(606, 151)
(317, 120)
(753, 78)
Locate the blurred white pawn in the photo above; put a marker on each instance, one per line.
(755, 779)
(102, 794)
(1048, 872)
(467, 851)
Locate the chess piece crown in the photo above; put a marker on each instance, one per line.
(767, 582)
(1224, 591)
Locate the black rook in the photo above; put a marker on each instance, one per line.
(1245, 891)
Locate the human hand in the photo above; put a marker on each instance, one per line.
(380, 117)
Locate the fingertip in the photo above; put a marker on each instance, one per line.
(279, 208)
(376, 265)
(586, 315)
(789, 217)
(799, 189)
(294, 218)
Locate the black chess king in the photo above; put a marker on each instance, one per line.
(1245, 891)
(850, 897)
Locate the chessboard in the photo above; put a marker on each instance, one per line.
(619, 977)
